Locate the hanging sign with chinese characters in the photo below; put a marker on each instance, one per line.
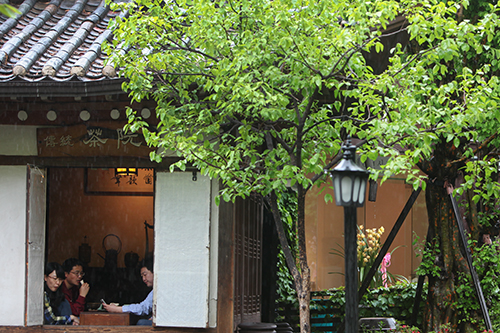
(109, 182)
(102, 139)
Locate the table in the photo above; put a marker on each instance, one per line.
(101, 318)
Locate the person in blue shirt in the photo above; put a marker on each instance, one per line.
(56, 308)
(145, 307)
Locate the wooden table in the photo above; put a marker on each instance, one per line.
(101, 318)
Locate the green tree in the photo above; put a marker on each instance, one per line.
(8, 10)
(260, 94)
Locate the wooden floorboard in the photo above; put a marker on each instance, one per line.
(100, 329)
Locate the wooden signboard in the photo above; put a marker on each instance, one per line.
(105, 181)
(99, 139)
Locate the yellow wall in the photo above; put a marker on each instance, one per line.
(72, 214)
(325, 227)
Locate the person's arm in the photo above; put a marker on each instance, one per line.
(78, 306)
(112, 308)
(143, 308)
(50, 318)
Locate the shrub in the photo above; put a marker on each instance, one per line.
(395, 301)
(486, 260)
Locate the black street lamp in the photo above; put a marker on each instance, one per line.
(349, 187)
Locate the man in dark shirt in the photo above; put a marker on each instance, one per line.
(73, 287)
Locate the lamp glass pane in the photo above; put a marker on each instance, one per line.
(362, 192)
(355, 189)
(346, 189)
(336, 189)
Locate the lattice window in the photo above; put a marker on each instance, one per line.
(248, 260)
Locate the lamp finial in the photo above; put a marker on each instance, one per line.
(349, 149)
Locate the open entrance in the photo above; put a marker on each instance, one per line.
(186, 231)
(105, 220)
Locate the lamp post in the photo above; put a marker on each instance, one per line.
(349, 187)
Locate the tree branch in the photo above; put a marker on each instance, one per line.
(273, 203)
(330, 164)
(481, 147)
(179, 47)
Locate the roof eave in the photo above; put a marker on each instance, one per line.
(52, 88)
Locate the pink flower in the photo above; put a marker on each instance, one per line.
(386, 262)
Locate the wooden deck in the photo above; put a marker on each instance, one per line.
(100, 329)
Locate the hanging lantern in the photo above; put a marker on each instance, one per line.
(349, 179)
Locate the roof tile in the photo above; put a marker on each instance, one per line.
(60, 39)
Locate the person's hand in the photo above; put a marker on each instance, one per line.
(112, 308)
(75, 320)
(84, 289)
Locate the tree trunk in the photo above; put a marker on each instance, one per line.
(302, 278)
(448, 261)
(304, 290)
(304, 297)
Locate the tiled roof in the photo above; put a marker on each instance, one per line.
(55, 42)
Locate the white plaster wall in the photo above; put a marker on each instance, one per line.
(12, 243)
(18, 140)
(182, 249)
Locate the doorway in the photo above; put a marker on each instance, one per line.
(105, 220)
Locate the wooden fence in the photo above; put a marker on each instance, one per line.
(327, 313)
(324, 316)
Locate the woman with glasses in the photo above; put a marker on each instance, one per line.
(56, 308)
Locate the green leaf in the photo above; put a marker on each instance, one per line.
(9, 10)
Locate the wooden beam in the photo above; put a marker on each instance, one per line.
(101, 329)
(51, 88)
(87, 162)
(468, 257)
(225, 304)
(420, 286)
